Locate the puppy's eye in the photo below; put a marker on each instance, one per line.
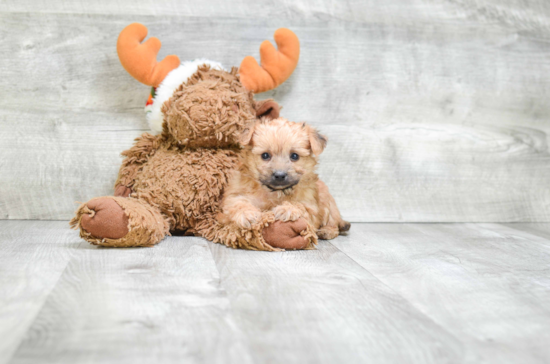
(266, 156)
(294, 156)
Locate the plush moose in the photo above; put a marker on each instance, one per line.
(172, 179)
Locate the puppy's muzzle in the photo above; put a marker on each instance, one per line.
(280, 180)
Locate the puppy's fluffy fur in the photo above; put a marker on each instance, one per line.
(277, 173)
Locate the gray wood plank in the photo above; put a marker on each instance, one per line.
(33, 255)
(482, 282)
(161, 304)
(540, 229)
(431, 111)
(524, 14)
(49, 166)
(321, 307)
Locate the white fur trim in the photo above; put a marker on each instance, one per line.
(170, 83)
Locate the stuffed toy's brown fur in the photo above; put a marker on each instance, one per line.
(174, 181)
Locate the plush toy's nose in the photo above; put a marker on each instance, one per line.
(280, 176)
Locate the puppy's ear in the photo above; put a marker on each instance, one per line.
(248, 132)
(267, 109)
(317, 141)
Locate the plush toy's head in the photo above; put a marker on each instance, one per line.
(199, 103)
(209, 110)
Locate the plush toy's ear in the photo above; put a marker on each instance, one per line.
(267, 109)
(317, 141)
(248, 132)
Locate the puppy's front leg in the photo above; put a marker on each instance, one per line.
(289, 211)
(242, 212)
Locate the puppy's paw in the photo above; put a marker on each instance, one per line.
(287, 212)
(246, 218)
(327, 232)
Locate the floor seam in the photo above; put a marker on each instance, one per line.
(38, 311)
(210, 244)
(416, 309)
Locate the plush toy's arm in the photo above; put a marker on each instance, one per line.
(134, 158)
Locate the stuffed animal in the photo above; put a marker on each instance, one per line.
(172, 179)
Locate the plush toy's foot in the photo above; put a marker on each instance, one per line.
(119, 222)
(106, 219)
(268, 234)
(290, 235)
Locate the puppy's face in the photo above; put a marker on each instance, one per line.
(279, 152)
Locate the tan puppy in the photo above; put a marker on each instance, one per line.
(277, 173)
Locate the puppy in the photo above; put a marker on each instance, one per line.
(277, 173)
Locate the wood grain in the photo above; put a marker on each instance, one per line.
(522, 14)
(384, 293)
(435, 110)
(33, 256)
(137, 306)
(538, 229)
(467, 278)
(322, 307)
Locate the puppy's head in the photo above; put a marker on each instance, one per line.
(279, 153)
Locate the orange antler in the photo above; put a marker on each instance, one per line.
(140, 60)
(276, 67)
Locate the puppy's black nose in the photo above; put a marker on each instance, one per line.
(279, 176)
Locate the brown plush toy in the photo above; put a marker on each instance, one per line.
(172, 180)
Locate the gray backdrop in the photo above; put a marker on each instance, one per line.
(435, 110)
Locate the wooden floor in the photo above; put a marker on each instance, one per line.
(386, 293)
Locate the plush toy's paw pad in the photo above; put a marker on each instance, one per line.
(106, 219)
(286, 235)
(287, 212)
(122, 191)
(247, 218)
